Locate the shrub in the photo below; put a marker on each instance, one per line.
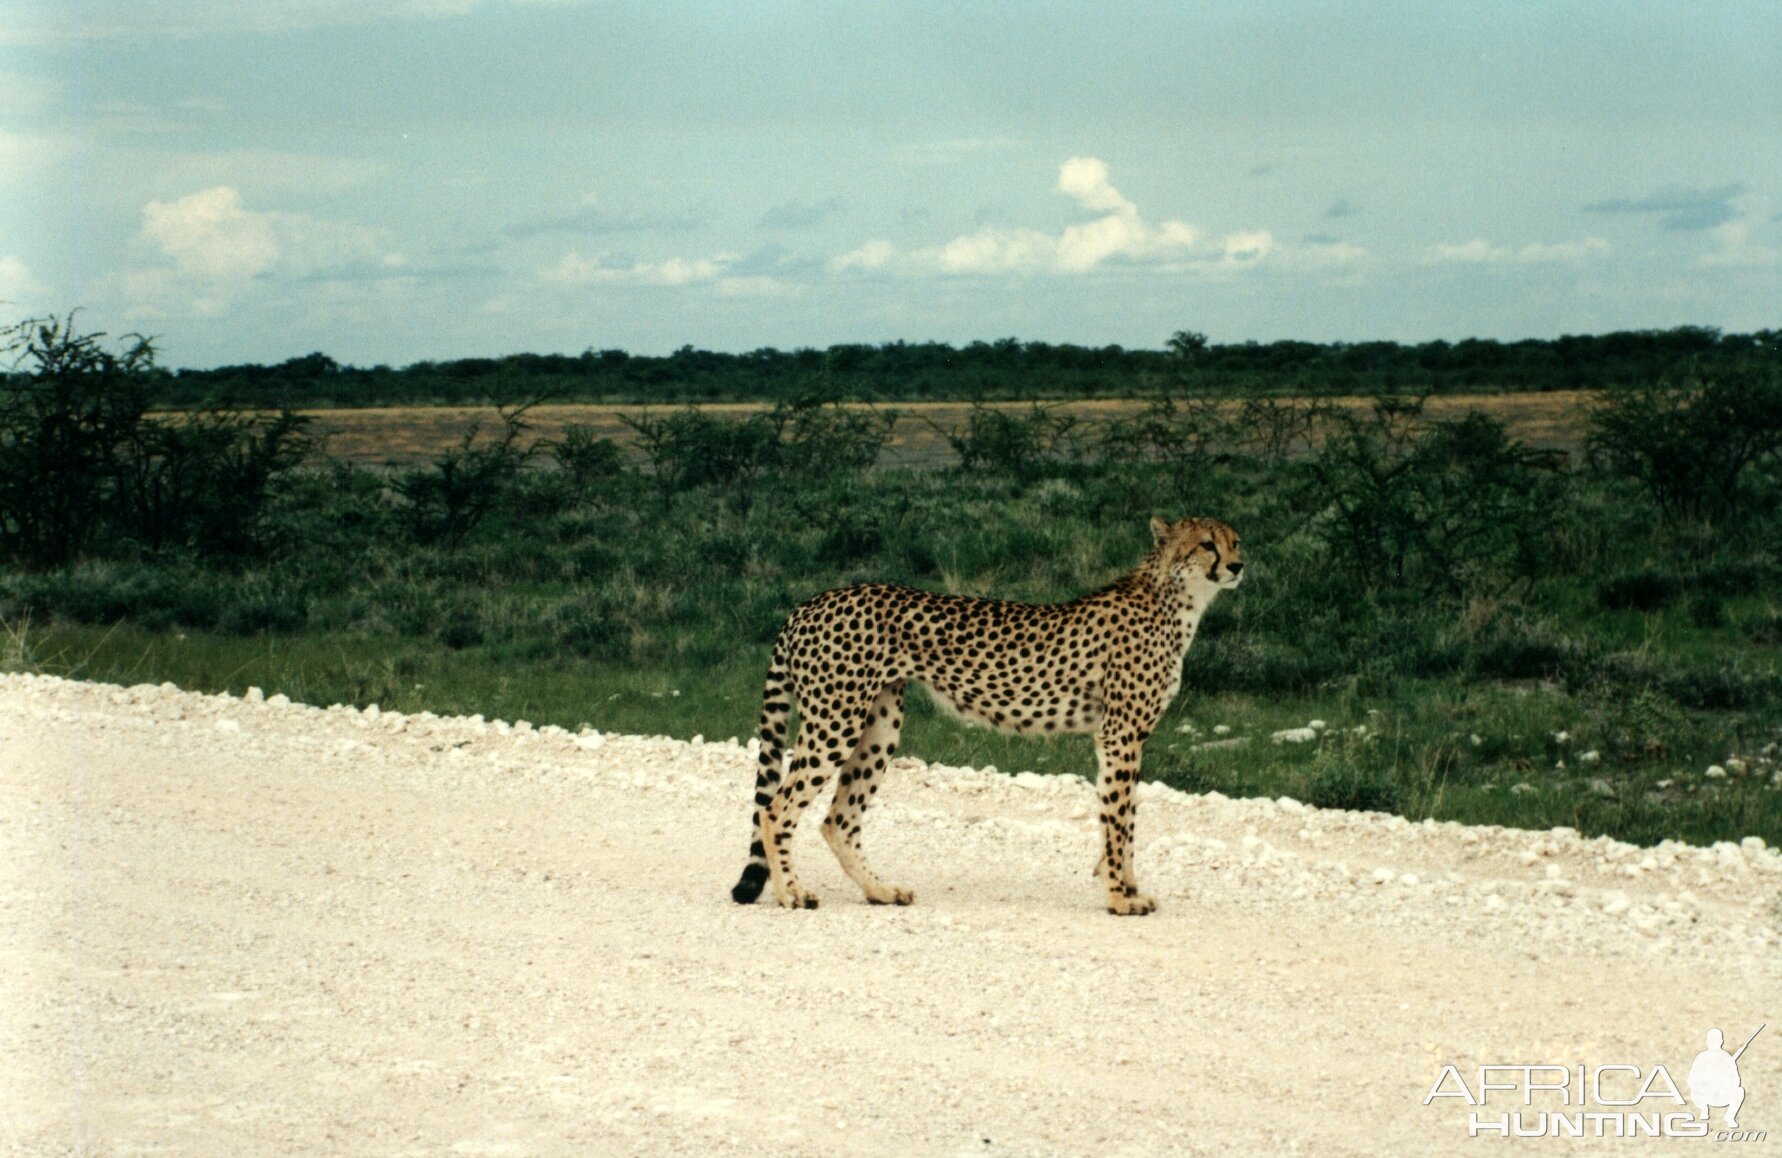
(807, 440)
(819, 439)
(595, 623)
(1275, 429)
(849, 539)
(258, 608)
(1451, 508)
(1724, 688)
(447, 499)
(82, 465)
(593, 558)
(331, 511)
(1022, 447)
(68, 419)
(204, 482)
(107, 593)
(1180, 434)
(1635, 722)
(690, 448)
(585, 458)
(1689, 444)
(1644, 590)
(460, 632)
(1339, 783)
(1520, 650)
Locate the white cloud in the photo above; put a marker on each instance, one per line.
(1120, 234)
(725, 276)
(720, 272)
(992, 250)
(212, 236)
(209, 235)
(1085, 179)
(20, 291)
(876, 254)
(215, 247)
(1481, 252)
(575, 269)
(1589, 247)
(1476, 250)
(1736, 248)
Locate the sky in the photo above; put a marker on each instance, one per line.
(389, 181)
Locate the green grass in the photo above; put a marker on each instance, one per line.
(410, 676)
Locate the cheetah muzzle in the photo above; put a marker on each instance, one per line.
(1108, 663)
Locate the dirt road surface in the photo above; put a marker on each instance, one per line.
(238, 927)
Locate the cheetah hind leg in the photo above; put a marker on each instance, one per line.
(854, 790)
(779, 820)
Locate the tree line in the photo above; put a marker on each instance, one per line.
(983, 371)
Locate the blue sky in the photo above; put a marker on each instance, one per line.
(393, 180)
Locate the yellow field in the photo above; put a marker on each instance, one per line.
(408, 434)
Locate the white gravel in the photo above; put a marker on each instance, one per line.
(247, 926)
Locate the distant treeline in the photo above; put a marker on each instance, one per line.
(1005, 369)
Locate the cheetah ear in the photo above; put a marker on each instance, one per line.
(1159, 529)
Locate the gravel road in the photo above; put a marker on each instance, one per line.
(244, 926)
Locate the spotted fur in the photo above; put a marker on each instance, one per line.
(1108, 663)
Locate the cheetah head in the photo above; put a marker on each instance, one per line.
(1200, 551)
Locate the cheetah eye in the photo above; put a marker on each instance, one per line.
(1207, 546)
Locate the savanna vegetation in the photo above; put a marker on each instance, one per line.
(987, 371)
(1481, 631)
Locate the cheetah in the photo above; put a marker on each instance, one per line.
(1108, 663)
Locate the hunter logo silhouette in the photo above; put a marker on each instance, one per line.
(1714, 1078)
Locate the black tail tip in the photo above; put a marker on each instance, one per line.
(749, 888)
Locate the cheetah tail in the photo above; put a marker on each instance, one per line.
(776, 705)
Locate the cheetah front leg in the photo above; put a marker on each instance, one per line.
(1118, 756)
(854, 790)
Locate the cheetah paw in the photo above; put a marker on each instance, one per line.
(794, 897)
(1136, 905)
(891, 896)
